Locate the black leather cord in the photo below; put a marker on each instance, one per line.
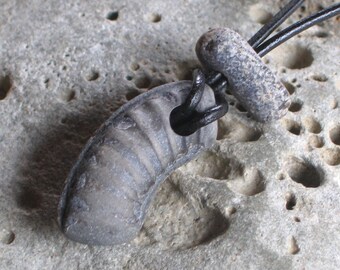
(185, 120)
(297, 28)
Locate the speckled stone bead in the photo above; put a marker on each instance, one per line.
(250, 81)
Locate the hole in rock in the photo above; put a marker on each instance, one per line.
(319, 77)
(5, 86)
(216, 224)
(337, 83)
(293, 247)
(280, 176)
(112, 15)
(333, 104)
(212, 165)
(155, 17)
(92, 76)
(178, 222)
(250, 182)
(321, 34)
(331, 156)
(290, 201)
(293, 56)
(68, 95)
(311, 124)
(295, 106)
(230, 210)
(292, 126)
(63, 120)
(334, 135)
(315, 141)
(6, 236)
(47, 82)
(302, 172)
(290, 88)
(297, 219)
(134, 66)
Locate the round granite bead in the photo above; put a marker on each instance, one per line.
(250, 80)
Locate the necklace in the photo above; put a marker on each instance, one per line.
(115, 178)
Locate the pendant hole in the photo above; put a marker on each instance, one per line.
(290, 201)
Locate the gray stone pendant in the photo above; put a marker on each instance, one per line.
(109, 189)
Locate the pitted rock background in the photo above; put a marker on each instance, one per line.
(266, 197)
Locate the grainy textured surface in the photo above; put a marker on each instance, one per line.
(252, 82)
(109, 190)
(64, 67)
